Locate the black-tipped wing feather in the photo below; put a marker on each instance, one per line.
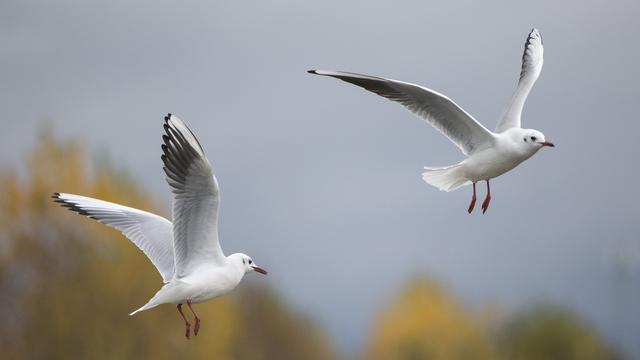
(195, 198)
(151, 233)
(532, 60)
(436, 109)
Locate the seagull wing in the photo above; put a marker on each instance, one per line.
(436, 109)
(151, 233)
(195, 199)
(532, 60)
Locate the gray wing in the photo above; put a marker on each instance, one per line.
(195, 199)
(532, 60)
(151, 233)
(436, 109)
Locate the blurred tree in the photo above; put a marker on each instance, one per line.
(68, 283)
(548, 332)
(425, 322)
(270, 326)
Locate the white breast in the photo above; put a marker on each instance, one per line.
(204, 285)
(494, 161)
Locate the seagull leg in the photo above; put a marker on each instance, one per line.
(196, 327)
(487, 200)
(473, 199)
(186, 322)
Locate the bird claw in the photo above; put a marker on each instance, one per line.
(485, 204)
(196, 327)
(187, 334)
(472, 205)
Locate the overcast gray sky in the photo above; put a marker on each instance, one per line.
(321, 180)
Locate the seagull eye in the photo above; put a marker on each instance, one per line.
(250, 262)
(533, 138)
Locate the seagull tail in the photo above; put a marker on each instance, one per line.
(446, 178)
(146, 306)
(163, 296)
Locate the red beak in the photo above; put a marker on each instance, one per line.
(260, 270)
(547, 143)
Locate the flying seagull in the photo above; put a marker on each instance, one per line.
(489, 153)
(187, 252)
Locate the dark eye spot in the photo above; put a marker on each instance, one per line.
(250, 262)
(533, 138)
(525, 139)
(243, 261)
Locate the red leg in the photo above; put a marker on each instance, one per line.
(473, 199)
(487, 200)
(196, 328)
(186, 322)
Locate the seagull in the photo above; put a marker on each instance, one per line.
(489, 153)
(187, 252)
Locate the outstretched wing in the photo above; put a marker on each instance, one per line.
(195, 199)
(532, 60)
(151, 233)
(436, 109)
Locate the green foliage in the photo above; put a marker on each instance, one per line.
(548, 332)
(67, 283)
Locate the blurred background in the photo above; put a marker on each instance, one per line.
(320, 180)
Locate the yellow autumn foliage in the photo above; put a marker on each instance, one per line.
(425, 322)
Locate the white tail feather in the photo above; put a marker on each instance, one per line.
(165, 295)
(446, 178)
(146, 306)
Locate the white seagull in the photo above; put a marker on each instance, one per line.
(489, 153)
(186, 252)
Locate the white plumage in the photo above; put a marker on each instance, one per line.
(489, 154)
(151, 233)
(187, 252)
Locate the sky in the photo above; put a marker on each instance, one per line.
(320, 180)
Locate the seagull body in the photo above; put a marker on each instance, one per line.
(186, 252)
(505, 154)
(203, 284)
(489, 153)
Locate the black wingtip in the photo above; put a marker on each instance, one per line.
(70, 206)
(166, 118)
(75, 208)
(312, 72)
(530, 37)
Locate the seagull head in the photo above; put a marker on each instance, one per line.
(534, 140)
(245, 262)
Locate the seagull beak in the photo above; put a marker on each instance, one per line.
(547, 143)
(260, 270)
